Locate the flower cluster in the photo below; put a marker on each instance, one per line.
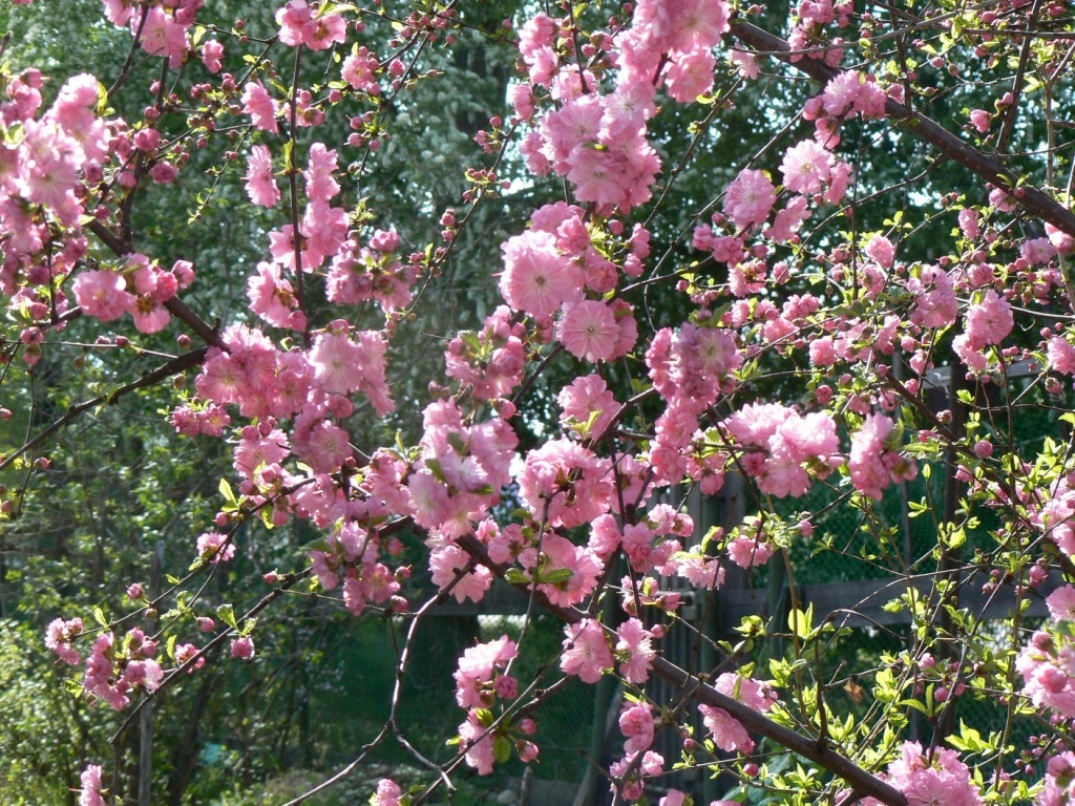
(728, 732)
(939, 777)
(113, 671)
(1046, 662)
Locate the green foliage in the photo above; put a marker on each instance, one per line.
(45, 734)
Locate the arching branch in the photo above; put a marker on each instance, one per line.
(1034, 201)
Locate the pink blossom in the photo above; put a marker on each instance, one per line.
(636, 653)
(728, 732)
(561, 556)
(588, 330)
(787, 222)
(450, 566)
(74, 109)
(478, 743)
(1038, 251)
(360, 71)
(325, 446)
(479, 668)
(690, 75)
(637, 724)
(215, 548)
(681, 25)
(981, 120)
(300, 25)
(586, 651)
(822, 352)
(1064, 243)
(259, 105)
(841, 93)
(749, 198)
(542, 488)
(272, 297)
(806, 167)
(1061, 603)
(119, 12)
(968, 223)
(755, 423)
(102, 294)
(388, 793)
(49, 172)
(335, 359)
(58, 637)
(758, 695)
(260, 183)
(1002, 200)
(90, 794)
(212, 52)
(242, 648)
(257, 448)
(701, 571)
(163, 35)
(537, 279)
(881, 250)
(748, 553)
(1061, 355)
(989, 321)
(935, 298)
(588, 402)
(321, 185)
(940, 778)
(872, 465)
(149, 315)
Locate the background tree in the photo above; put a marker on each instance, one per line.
(822, 248)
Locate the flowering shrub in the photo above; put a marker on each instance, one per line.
(763, 331)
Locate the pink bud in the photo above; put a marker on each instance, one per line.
(527, 726)
(242, 648)
(507, 687)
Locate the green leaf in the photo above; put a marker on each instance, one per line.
(99, 617)
(800, 622)
(969, 740)
(516, 577)
(456, 441)
(557, 576)
(501, 749)
(227, 615)
(226, 491)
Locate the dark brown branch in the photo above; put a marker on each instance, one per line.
(819, 752)
(149, 378)
(289, 582)
(1008, 128)
(206, 332)
(179, 309)
(1033, 200)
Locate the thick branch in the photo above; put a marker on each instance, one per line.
(817, 751)
(179, 309)
(1033, 200)
(289, 582)
(150, 378)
